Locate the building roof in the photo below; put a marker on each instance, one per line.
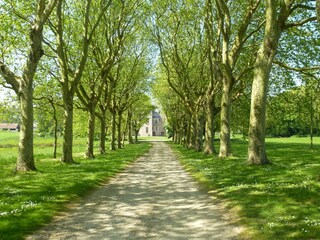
(9, 125)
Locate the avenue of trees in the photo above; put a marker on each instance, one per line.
(236, 64)
(62, 57)
(243, 66)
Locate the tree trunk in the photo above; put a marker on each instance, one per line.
(209, 134)
(90, 134)
(23, 86)
(200, 121)
(103, 132)
(136, 132)
(55, 119)
(123, 139)
(225, 141)
(25, 160)
(318, 9)
(311, 120)
(130, 138)
(193, 133)
(256, 147)
(113, 131)
(188, 141)
(179, 137)
(119, 129)
(68, 129)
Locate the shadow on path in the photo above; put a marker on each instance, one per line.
(153, 199)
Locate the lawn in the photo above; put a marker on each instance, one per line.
(29, 200)
(154, 138)
(276, 201)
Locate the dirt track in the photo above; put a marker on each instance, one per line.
(153, 199)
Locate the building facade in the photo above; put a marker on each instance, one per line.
(154, 126)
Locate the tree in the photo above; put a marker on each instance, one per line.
(23, 84)
(276, 23)
(89, 92)
(177, 31)
(73, 54)
(235, 30)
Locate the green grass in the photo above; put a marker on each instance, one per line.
(276, 201)
(29, 200)
(154, 138)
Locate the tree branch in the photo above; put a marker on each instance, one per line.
(301, 70)
(299, 23)
(9, 77)
(301, 6)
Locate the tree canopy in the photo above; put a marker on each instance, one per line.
(214, 67)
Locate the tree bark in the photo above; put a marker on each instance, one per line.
(189, 127)
(68, 129)
(209, 135)
(55, 131)
(130, 138)
(311, 120)
(103, 134)
(113, 131)
(193, 132)
(90, 134)
(119, 129)
(136, 132)
(225, 141)
(200, 121)
(25, 160)
(318, 9)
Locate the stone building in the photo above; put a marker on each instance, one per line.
(154, 127)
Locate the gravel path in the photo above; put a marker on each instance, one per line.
(153, 199)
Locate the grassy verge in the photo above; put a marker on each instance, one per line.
(29, 200)
(154, 138)
(276, 201)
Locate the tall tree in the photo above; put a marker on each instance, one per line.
(235, 31)
(23, 84)
(89, 92)
(211, 111)
(72, 63)
(277, 14)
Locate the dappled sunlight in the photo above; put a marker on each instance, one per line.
(154, 198)
(275, 200)
(30, 199)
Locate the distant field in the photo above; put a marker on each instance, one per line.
(276, 201)
(43, 146)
